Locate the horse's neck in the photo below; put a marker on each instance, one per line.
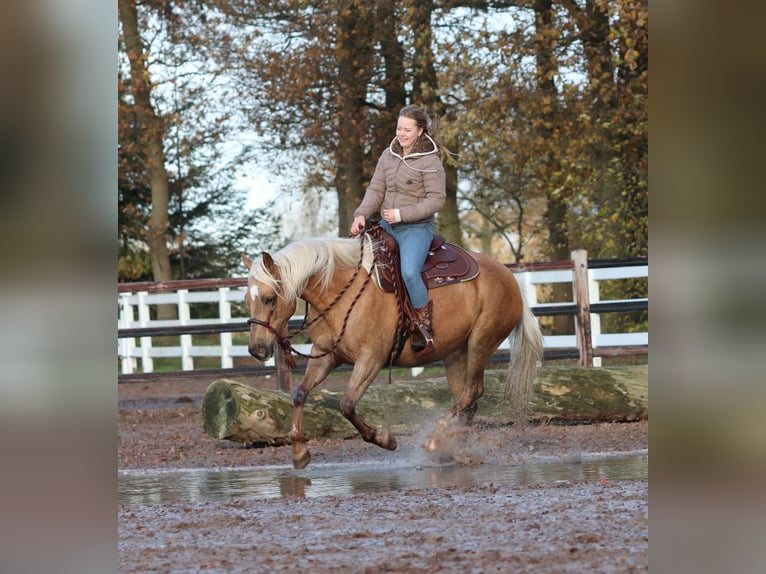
(320, 298)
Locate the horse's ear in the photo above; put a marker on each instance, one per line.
(269, 264)
(246, 260)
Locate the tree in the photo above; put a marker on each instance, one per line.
(614, 144)
(319, 90)
(426, 91)
(151, 135)
(570, 130)
(533, 135)
(354, 28)
(134, 194)
(334, 76)
(484, 74)
(207, 224)
(544, 102)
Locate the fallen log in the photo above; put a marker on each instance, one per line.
(241, 413)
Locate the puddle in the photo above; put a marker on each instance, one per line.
(201, 485)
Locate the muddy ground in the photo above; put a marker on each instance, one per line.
(595, 526)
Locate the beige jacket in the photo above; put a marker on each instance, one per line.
(414, 184)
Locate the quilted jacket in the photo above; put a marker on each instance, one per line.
(414, 184)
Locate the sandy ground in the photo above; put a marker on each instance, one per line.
(595, 526)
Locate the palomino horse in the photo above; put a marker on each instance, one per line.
(351, 321)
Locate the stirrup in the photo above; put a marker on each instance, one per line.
(421, 339)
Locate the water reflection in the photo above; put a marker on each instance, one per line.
(157, 487)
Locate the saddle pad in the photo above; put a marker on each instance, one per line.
(449, 264)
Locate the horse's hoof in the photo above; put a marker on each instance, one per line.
(385, 439)
(446, 421)
(301, 458)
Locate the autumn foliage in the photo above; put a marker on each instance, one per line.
(543, 104)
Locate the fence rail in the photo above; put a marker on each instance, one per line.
(588, 344)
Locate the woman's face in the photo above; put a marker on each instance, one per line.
(407, 132)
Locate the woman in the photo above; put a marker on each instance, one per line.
(409, 187)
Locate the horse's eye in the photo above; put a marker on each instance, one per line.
(268, 300)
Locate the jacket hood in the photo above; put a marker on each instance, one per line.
(424, 146)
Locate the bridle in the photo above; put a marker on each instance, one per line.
(284, 340)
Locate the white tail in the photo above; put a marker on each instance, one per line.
(526, 342)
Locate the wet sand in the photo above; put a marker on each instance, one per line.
(579, 526)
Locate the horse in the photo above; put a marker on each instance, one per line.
(350, 322)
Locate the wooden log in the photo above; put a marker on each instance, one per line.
(241, 413)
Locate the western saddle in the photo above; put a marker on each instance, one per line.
(446, 264)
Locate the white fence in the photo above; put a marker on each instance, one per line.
(529, 280)
(134, 312)
(137, 353)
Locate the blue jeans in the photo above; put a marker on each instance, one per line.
(414, 239)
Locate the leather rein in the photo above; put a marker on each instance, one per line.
(285, 340)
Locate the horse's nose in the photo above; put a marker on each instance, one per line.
(260, 350)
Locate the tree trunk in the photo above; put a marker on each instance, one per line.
(353, 56)
(449, 219)
(595, 34)
(394, 83)
(240, 413)
(555, 217)
(152, 136)
(558, 236)
(556, 209)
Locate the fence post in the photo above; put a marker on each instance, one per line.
(224, 313)
(594, 294)
(582, 299)
(127, 344)
(147, 363)
(187, 362)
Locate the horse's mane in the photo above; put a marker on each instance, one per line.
(301, 260)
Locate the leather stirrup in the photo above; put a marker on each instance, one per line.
(421, 337)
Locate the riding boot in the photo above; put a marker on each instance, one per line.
(421, 338)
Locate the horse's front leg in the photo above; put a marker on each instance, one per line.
(316, 372)
(363, 374)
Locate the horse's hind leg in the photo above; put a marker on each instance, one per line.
(467, 386)
(477, 355)
(361, 377)
(456, 367)
(316, 372)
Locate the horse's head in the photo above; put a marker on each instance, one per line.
(269, 311)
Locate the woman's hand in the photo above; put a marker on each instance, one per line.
(392, 216)
(358, 225)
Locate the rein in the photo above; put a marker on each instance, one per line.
(286, 343)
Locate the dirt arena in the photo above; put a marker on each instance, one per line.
(588, 526)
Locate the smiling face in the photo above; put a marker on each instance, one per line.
(407, 133)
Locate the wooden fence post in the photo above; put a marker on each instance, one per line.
(582, 299)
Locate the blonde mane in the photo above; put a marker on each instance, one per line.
(300, 261)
